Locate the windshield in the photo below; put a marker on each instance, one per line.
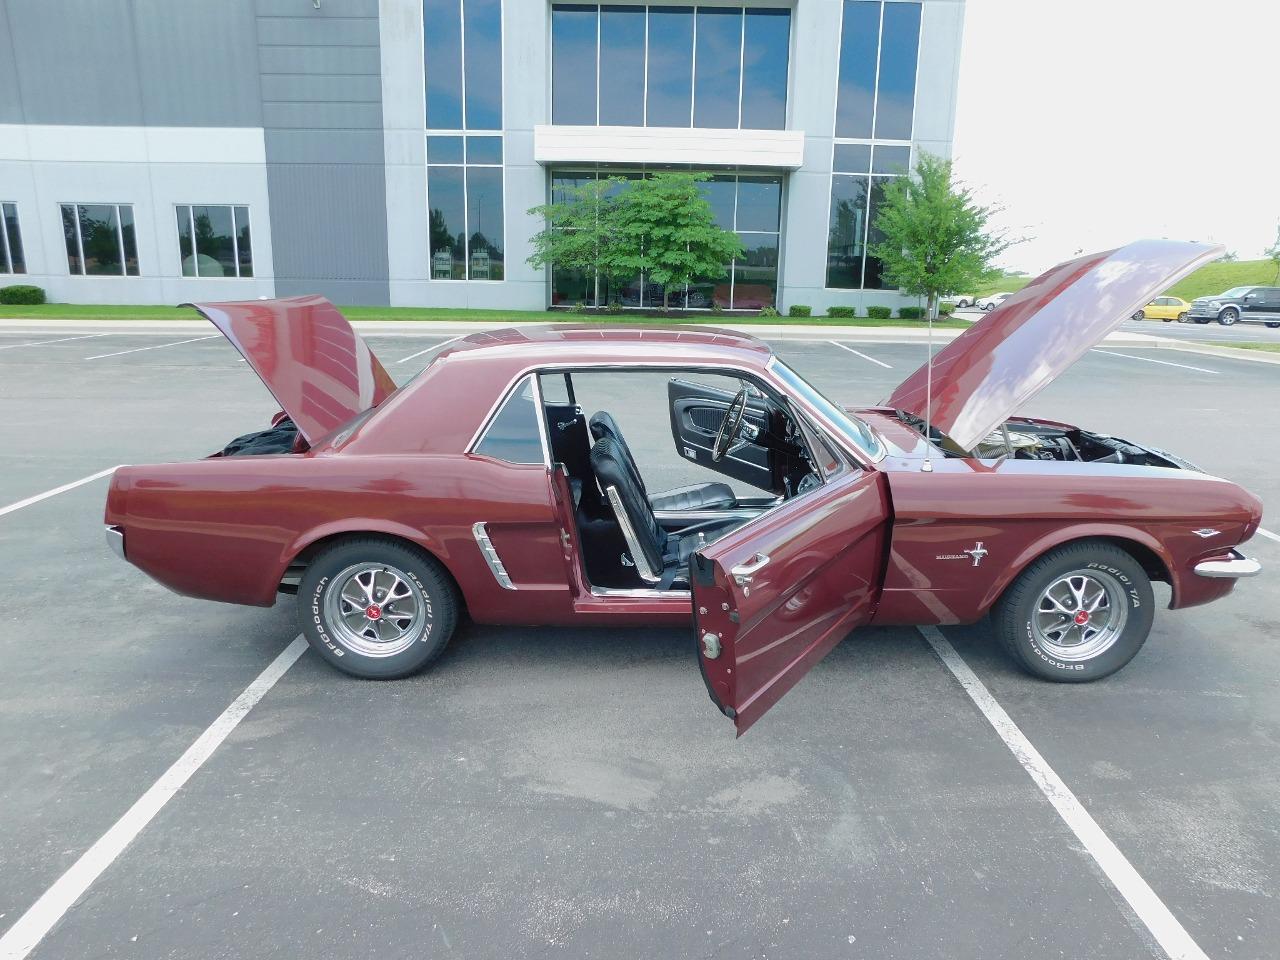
(854, 429)
(1236, 292)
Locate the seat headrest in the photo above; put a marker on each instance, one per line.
(603, 425)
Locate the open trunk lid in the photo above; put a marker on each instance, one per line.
(311, 359)
(982, 377)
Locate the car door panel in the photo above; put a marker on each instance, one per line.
(696, 411)
(774, 597)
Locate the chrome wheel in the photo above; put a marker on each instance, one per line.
(376, 610)
(1080, 615)
(1228, 317)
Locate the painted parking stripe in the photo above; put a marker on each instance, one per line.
(1269, 535)
(57, 490)
(41, 343)
(859, 353)
(1157, 918)
(434, 346)
(158, 346)
(1163, 363)
(29, 929)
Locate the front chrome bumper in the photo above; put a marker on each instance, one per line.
(1238, 566)
(115, 540)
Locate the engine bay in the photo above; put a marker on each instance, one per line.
(1024, 439)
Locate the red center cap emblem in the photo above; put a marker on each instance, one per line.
(1082, 617)
(373, 611)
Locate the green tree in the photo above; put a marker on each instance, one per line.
(936, 238)
(580, 229)
(666, 229)
(1273, 254)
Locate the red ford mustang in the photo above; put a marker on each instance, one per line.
(483, 485)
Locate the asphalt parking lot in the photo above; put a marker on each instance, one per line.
(557, 793)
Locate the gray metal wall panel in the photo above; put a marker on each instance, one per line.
(328, 221)
(312, 31)
(198, 63)
(328, 8)
(303, 88)
(329, 61)
(325, 146)
(76, 61)
(10, 101)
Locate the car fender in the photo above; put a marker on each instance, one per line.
(1068, 534)
(363, 526)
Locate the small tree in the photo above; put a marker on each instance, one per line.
(1273, 254)
(666, 229)
(580, 229)
(935, 237)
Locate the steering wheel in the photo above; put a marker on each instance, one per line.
(730, 424)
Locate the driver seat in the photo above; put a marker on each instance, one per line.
(659, 557)
(695, 496)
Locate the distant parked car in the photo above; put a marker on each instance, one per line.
(1166, 309)
(1239, 304)
(990, 303)
(963, 300)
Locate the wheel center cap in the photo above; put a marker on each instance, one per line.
(373, 612)
(1082, 617)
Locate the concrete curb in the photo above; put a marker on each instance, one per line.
(780, 332)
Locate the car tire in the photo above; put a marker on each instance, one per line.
(1228, 316)
(1182, 317)
(410, 612)
(1140, 315)
(1272, 324)
(1028, 617)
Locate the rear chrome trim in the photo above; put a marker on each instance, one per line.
(629, 535)
(115, 540)
(490, 554)
(1238, 566)
(641, 593)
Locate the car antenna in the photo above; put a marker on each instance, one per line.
(927, 466)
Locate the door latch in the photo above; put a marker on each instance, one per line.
(710, 645)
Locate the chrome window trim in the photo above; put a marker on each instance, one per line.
(629, 535)
(503, 399)
(490, 553)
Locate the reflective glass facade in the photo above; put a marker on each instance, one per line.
(857, 188)
(11, 258)
(667, 66)
(463, 52)
(214, 241)
(879, 49)
(100, 239)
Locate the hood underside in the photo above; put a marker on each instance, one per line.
(316, 366)
(982, 377)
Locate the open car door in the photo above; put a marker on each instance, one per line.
(696, 412)
(772, 598)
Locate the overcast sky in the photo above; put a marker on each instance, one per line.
(1095, 122)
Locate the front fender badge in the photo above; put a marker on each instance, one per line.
(977, 553)
(1205, 533)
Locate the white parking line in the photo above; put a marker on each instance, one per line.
(1269, 535)
(1157, 918)
(434, 346)
(41, 343)
(29, 929)
(860, 354)
(57, 490)
(158, 346)
(1163, 363)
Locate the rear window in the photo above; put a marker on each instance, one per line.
(513, 434)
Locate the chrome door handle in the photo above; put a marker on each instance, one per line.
(743, 571)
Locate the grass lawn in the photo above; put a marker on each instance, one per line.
(83, 311)
(1205, 282)
(1269, 347)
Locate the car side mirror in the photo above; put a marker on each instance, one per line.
(1251, 296)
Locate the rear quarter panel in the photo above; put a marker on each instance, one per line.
(1019, 509)
(226, 529)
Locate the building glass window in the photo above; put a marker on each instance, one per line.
(666, 66)
(463, 50)
(464, 194)
(860, 172)
(11, 257)
(879, 46)
(100, 239)
(213, 241)
(748, 204)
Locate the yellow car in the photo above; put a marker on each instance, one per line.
(1164, 308)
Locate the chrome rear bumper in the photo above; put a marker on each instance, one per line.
(115, 540)
(1238, 566)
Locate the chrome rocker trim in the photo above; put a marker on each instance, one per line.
(1238, 566)
(115, 540)
(490, 554)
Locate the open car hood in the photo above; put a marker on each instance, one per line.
(982, 377)
(316, 366)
